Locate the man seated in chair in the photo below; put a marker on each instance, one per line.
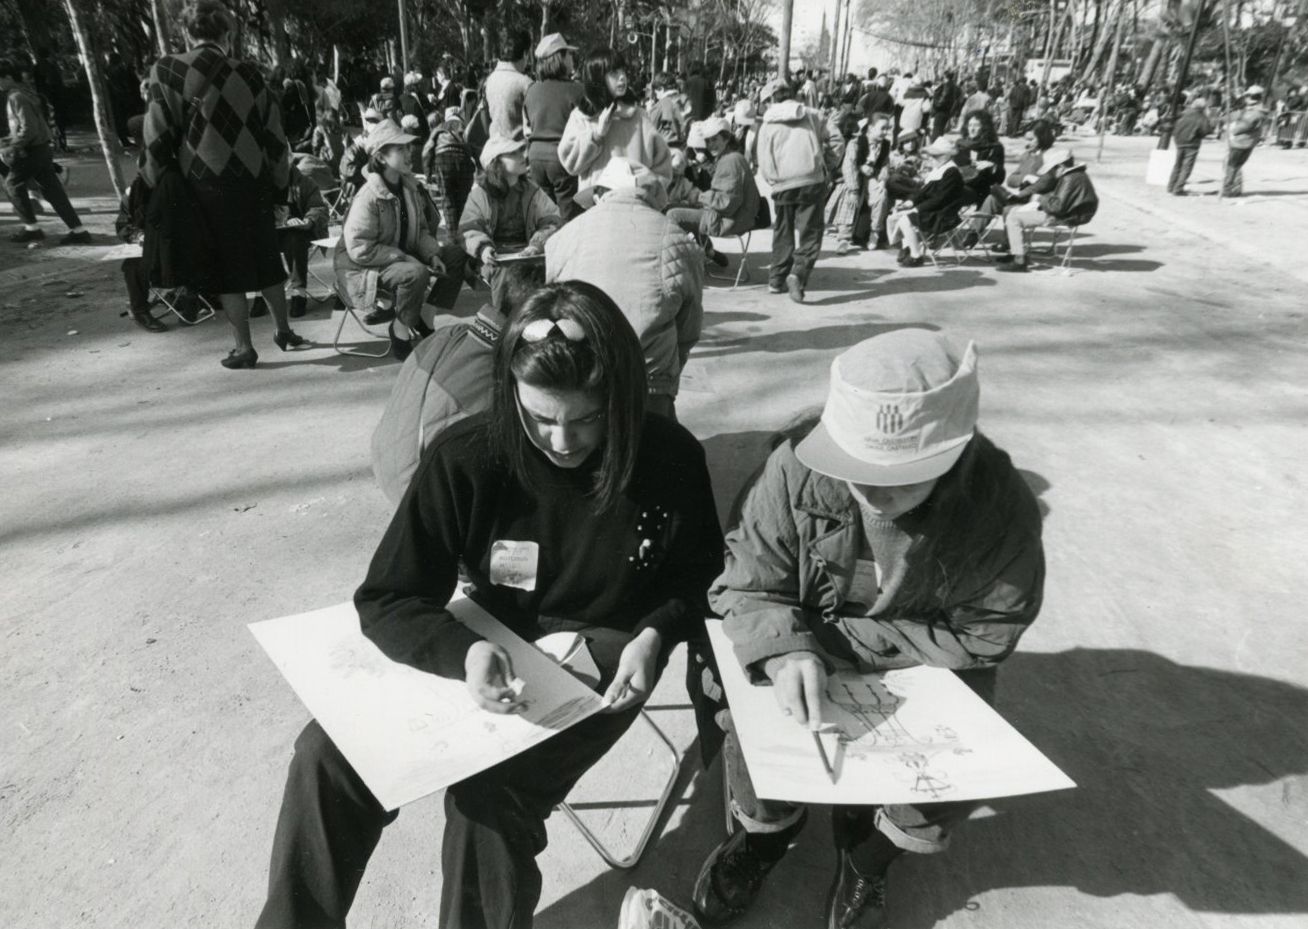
(301, 218)
(1067, 198)
(730, 205)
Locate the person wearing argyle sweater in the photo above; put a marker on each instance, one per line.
(214, 125)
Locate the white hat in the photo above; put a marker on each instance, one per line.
(387, 82)
(901, 408)
(453, 112)
(412, 77)
(410, 122)
(386, 133)
(713, 126)
(1254, 90)
(618, 174)
(553, 43)
(371, 115)
(498, 145)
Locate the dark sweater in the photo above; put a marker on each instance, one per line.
(593, 569)
(548, 106)
(1191, 129)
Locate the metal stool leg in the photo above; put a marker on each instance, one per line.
(349, 313)
(655, 816)
(743, 271)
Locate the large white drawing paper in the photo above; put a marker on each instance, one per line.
(406, 732)
(912, 735)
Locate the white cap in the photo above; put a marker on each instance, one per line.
(618, 174)
(901, 408)
(553, 43)
(371, 115)
(713, 126)
(388, 82)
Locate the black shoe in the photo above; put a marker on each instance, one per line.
(27, 235)
(775, 288)
(1000, 248)
(795, 287)
(903, 255)
(400, 348)
(715, 256)
(379, 316)
(970, 239)
(1180, 193)
(287, 338)
(1003, 259)
(245, 359)
(299, 306)
(730, 879)
(855, 901)
(1013, 265)
(147, 322)
(76, 238)
(882, 242)
(258, 307)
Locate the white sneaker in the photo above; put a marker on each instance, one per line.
(649, 909)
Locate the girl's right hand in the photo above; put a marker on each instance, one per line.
(604, 121)
(488, 669)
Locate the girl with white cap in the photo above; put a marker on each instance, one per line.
(894, 534)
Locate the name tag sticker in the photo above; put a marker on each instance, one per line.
(513, 564)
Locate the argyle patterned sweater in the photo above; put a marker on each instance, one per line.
(215, 119)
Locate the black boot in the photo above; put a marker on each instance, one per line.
(855, 901)
(733, 874)
(147, 322)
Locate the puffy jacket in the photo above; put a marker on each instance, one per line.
(447, 378)
(650, 268)
(790, 565)
(796, 147)
(634, 137)
(480, 223)
(1073, 199)
(371, 238)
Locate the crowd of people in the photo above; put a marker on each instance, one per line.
(886, 532)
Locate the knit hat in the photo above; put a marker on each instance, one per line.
(901, 408)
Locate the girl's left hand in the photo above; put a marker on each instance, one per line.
(637, 673)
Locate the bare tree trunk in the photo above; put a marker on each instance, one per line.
(783, 56)
(161, 31)
(1108, 86)
(275, 11)
(1151, 63)
(104, 121)
(1105, 36)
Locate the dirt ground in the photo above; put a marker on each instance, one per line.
(1155, 398)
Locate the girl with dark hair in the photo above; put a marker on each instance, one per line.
(609, 121)
(893, 534)
(610, 517)
(980, 154)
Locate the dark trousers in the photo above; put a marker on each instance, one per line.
(494, 824)
(797, 227)
(1185, 158)
(295, 252)
(550, 176)
(1015, 119)
(1233, 176)
(939, 125)
(138, 283)
(35, 164)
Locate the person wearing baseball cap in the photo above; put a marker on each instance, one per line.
(1067, 197)
(933, 209)
(389, 253)
(506, 213)
(893, 534)
(1247, 127)
(730, 205)
(550, 100)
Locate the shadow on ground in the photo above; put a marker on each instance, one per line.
(1148, 742)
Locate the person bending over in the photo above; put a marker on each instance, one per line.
(612, 513)
(894, 534)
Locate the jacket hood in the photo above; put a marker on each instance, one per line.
(787, 111)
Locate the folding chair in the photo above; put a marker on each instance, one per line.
(338, 202)
(951, 239)
(348, 311)
(1065, 263)
(324, 247)
(647, 834)
(168, 297)
(742, 272)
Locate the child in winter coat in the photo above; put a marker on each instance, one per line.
(861, 188)
(506, 213)
(893, 534)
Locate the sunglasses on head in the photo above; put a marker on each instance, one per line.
(540, 329)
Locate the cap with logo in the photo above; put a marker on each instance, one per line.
(901, 408)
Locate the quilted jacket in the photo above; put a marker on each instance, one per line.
(791, 562)
(651, 269)
(371, 238)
